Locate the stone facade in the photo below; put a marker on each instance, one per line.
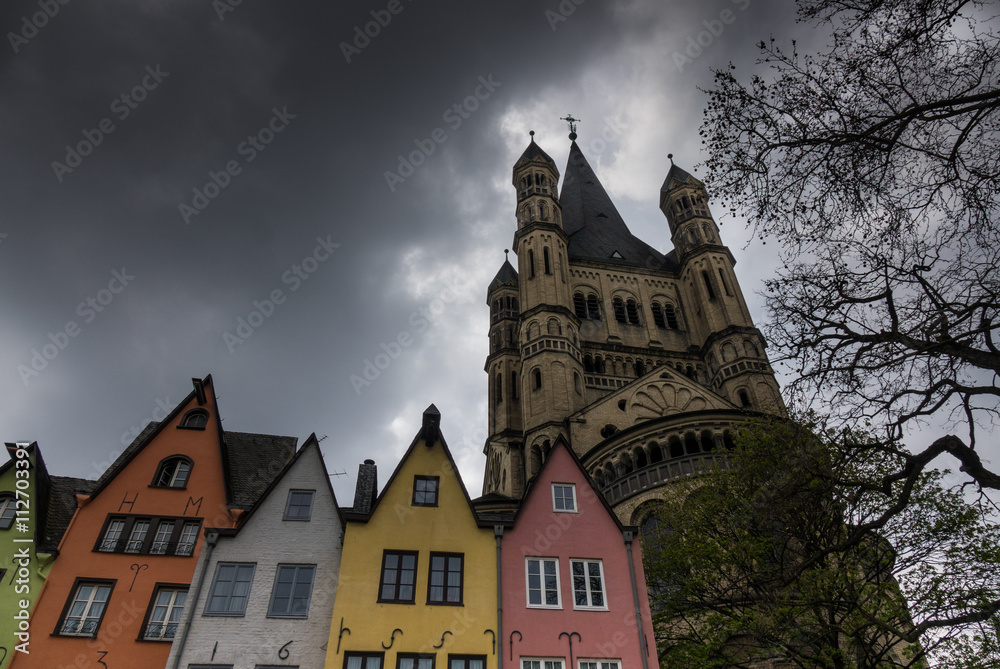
(641, 361)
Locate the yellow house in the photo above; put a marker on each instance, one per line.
(418, 576)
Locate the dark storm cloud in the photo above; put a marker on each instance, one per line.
(257, 112)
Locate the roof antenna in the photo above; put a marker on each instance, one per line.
(572, 125)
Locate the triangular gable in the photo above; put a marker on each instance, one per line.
(660, 392)
(560, 443)
(311, 442)
(430, 433)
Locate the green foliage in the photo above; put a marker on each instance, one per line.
(798, 553)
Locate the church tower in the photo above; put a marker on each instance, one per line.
(642, 361)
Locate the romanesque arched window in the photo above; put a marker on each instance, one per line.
(658, 318)
(619, 308)
(579, 305)
(632, 311)
(593, 307)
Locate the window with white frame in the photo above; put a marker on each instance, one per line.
(137, 537)
(588, 584)
(599, 664)
(542, 663)
(165, 613)
(85, 609)
(230, 589)
(189, 537)
(164, 531)
(564, 497)
(542, 579)
(292, 591)
(109, 542)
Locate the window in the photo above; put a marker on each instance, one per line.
(563, 497)
(85, 608)
(189, 537)
(658, 316)
(632, 310)
(292, 591)
(593, 308)
(195, 419)
(173, 472)
(579, 305)
(498, 391)
(444, 585)
(600, 664)
(113, 533)
(425, 491)
(399, 577)
(513, 385)
(363, 660)
(541, 663)
(545, 258)
(131, 534)
(668, 311)
(588, 584)
(164, 614)
(531, 264)
(619, 309)
(230, 589)
(722, 280)
(161, 542)
(543, 582)
(8, 509)
(414, 661)
(708, 285)
(537, 374)
(299, 505)
(137, 537)
(466, 662)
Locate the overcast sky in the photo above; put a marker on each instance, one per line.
(164, 165)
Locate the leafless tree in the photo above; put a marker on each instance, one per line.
(874, 163)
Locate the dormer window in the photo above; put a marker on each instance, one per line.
(173, 472)
(195, 419)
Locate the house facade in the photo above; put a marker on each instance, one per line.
(263, 593)
(418, 576)
(115, 595)
(574, 593)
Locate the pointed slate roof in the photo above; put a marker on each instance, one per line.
(531, 153)
(675, 174)
(595, 228)
(507, 276)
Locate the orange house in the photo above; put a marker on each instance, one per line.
(115, 594)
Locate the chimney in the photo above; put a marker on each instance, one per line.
(367, 488)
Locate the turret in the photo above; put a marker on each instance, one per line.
(733, 348)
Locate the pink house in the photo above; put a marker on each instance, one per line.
(574, 593)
